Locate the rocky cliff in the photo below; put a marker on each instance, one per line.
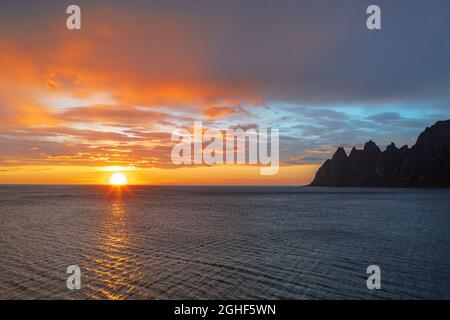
(426, 164)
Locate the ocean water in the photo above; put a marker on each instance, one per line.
(223, 242)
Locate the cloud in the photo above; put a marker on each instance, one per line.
(385, 117)
(219, 112)
(199, 52)
(326, 150)
(113, 115)
(112, 92)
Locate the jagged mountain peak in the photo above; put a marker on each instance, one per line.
(439, 132)
(392, 147)
(425, 164)
(371, 146)
(354, 151)
(340, 153)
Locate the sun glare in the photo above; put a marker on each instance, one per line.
(118, 179)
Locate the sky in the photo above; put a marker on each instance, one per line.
(76, 105)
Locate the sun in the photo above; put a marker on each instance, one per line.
(118, 179)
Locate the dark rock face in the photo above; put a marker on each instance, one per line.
(426, 164)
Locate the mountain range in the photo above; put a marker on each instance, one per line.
(426, 164)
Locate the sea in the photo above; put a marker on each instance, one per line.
(211, 242)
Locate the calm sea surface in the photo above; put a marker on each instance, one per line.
(223, 242)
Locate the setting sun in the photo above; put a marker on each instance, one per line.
(118, 179)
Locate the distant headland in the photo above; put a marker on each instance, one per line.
(426, 164)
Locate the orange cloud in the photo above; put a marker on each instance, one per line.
(218, 112)
(145, 63)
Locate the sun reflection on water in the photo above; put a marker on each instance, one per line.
(115, 269)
